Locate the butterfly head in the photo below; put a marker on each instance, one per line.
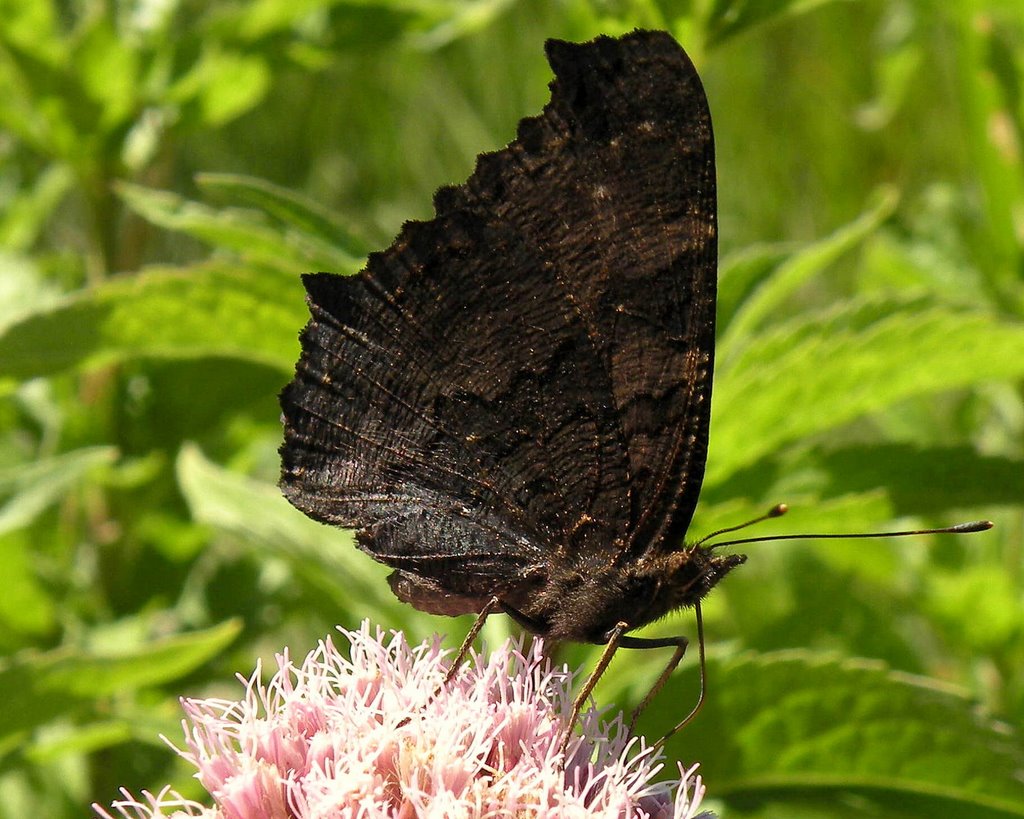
(683, 578)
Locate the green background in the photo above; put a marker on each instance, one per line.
(168, 169)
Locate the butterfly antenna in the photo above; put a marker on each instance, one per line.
(680, 643)
(958, 529)
(776, 511)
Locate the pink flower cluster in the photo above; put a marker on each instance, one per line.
(376, 735)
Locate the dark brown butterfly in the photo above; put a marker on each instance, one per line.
(512, 401)
(510, 404)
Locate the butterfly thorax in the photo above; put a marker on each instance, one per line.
(586, 607)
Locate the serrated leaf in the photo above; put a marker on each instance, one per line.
(771, 294)
(817, 372)
(915, 480)
(37, 688)
(291, 208)
(265, 521)
(245, 232)
(793, 726)
(210, 310)
(740, 273)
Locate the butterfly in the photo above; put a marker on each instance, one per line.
(510, 404)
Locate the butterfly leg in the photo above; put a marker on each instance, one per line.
(488, 609)
(615, 639)
(531, 625)
(680, 643)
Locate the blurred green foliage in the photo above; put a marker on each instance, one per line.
(169, 167)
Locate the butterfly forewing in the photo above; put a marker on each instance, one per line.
(523, 382)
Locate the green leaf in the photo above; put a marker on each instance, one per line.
(246, 232)
(73, 740)
(37, 688)
(31, 25)
(108, 70)
(259, 19)
(740, 274)
(729, 18)
(26, 213)
(797, 727)
(460, 20)
(43, 103)
(426, 24)
(924, 481)
(210, 310)
(817, 372)
(993, 150)
(223, 84)
(834, 596)
(28, 606)
(291, 208)
(268, 524)
(773, 292)
(980, 605)
(31, 488)
(23, 288)
(930, 481)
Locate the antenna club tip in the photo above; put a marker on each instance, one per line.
(778, 510)
(973, 526)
